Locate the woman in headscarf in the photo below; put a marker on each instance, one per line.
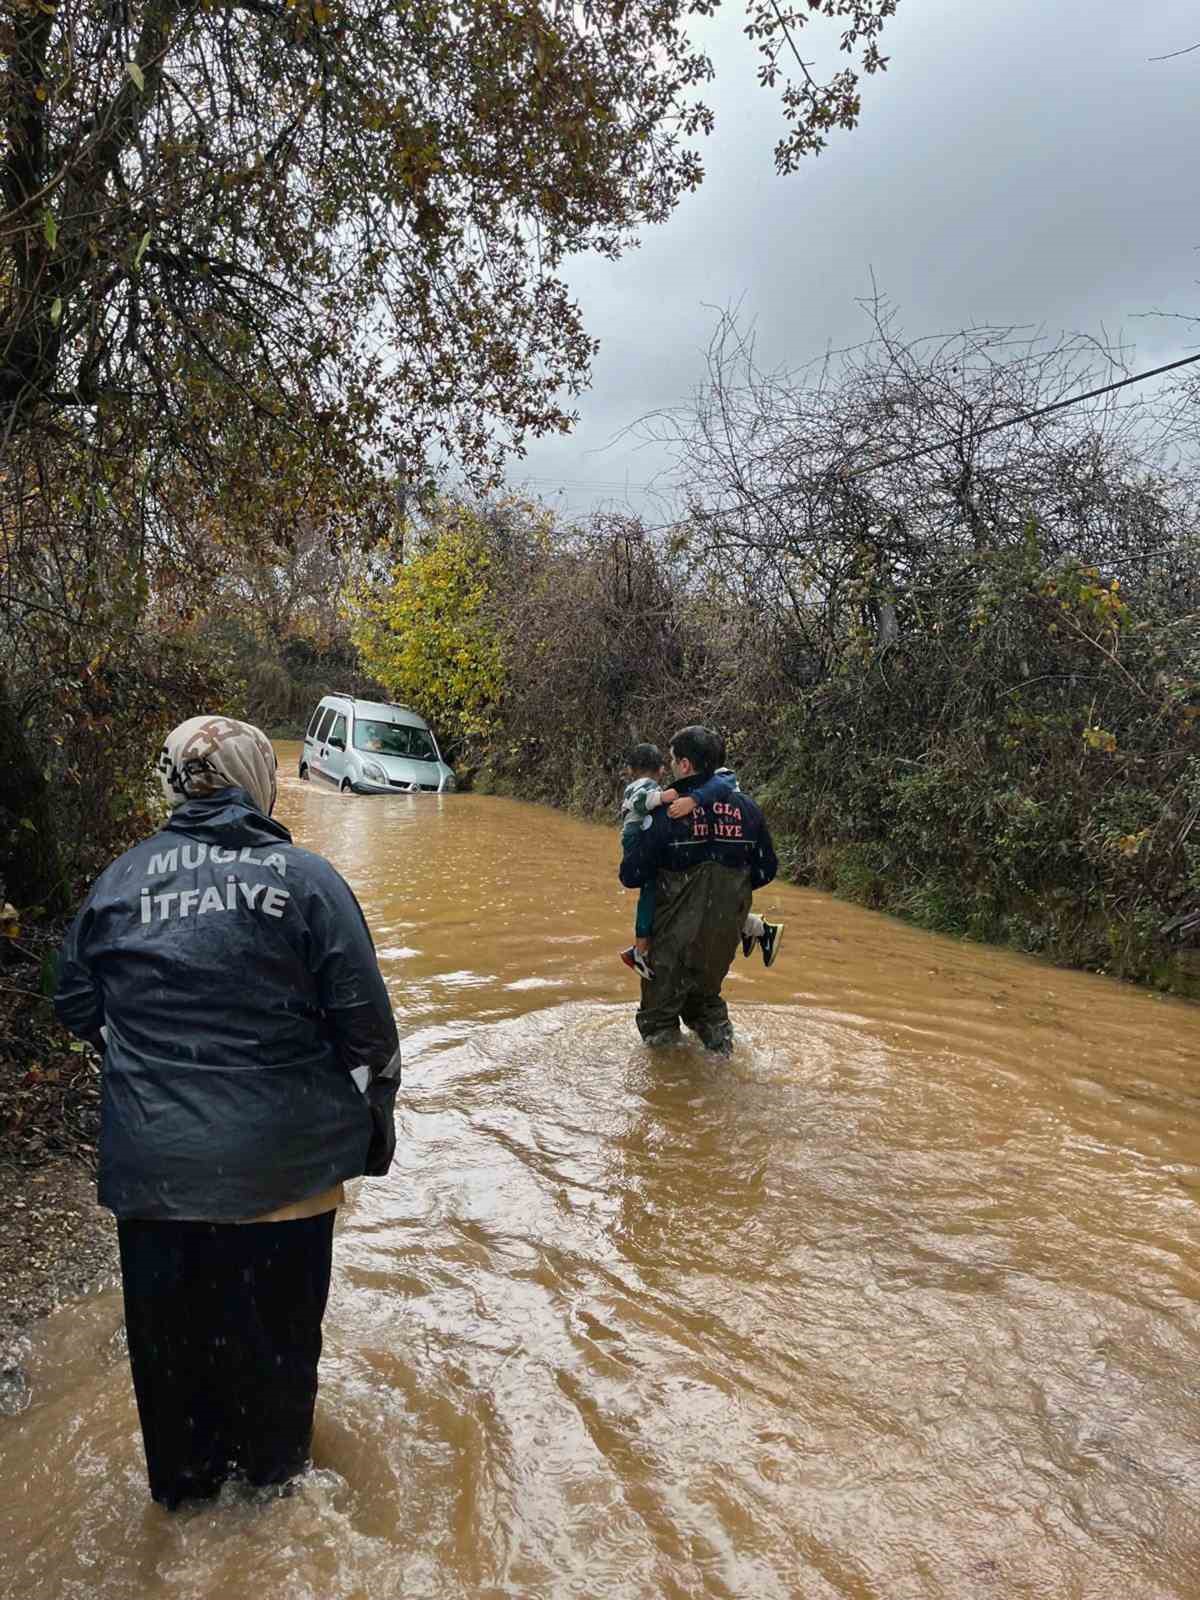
(250, 1065)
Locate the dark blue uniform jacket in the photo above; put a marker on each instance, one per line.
(236, 981)
(731, 831)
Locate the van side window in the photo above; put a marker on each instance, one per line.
(323, 731)
(312, 726)
(338, 731)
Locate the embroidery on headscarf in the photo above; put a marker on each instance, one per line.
(207, 754)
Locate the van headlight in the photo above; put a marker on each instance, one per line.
(374, 772)
(448, 782)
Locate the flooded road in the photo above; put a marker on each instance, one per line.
(903, 1302)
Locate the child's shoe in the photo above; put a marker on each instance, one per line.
(771, 935)
(634, 958)
(748, 942)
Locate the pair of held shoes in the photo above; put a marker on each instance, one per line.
(771, 935)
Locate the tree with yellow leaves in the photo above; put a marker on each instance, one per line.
(425, 632)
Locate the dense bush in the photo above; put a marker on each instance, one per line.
(282, 679)
(80, 744)
(1032, 778)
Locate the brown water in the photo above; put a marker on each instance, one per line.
(904, 1301)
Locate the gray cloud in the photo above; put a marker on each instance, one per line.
(1019, 162)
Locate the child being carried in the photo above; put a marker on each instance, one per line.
(644, 767)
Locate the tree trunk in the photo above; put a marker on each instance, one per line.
(31, 872)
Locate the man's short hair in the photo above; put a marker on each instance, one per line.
(697, 745)
(644, 758)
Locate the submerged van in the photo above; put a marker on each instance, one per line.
(372, 747)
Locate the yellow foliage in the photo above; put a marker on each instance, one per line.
(1100, 739)
(425, 634)
(1130, 843)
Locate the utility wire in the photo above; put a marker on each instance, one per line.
(847, 476)
(1025, 416)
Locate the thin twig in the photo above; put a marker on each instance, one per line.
(15, 988)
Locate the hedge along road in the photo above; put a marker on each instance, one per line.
(904, 1301)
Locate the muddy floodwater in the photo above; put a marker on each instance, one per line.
(903, 1301)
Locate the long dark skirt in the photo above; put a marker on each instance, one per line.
(224, 1323)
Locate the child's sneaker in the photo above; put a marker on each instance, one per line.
(748, 942)
(771, 935)
(634, 958)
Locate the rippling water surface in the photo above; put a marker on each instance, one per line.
(903, 1301)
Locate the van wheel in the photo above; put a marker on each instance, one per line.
(304, 772)
(345, 785)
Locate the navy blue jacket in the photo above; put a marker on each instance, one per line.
(236, 981)
(731, 831)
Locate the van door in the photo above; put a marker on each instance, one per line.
(320, 748)
(310, 738)
(335, 750)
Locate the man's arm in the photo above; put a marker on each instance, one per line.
(764, 863)
(78, 1000)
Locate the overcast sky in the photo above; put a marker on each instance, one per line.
(1021, 161)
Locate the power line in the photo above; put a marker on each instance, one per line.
(600, 486)
(846, 476)
(1175, 54)
(1027, 416)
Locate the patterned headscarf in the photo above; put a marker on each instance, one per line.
(206, 754)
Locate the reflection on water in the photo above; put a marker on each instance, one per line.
(903, 1301)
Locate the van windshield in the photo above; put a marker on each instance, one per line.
(393, 739)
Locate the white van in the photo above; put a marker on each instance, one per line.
(372, 748)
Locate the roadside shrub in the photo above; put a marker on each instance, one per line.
(1029, 776)
(92, 734)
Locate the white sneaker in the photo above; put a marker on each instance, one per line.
(634, 958)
